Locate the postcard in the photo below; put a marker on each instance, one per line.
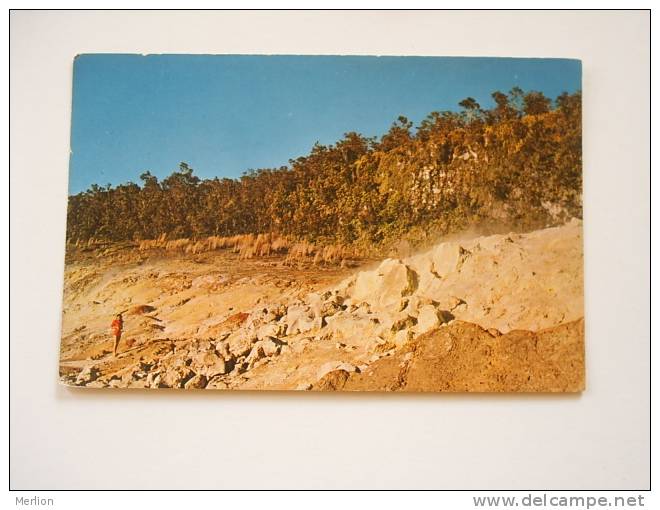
(324, 223)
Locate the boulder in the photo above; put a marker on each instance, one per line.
(197, 382)
(345, 287)
(403, 336)
(216, 383)
(448, 258)
(299, 319)
(239, 343)
(332, 306)
(209, 363)
(430, 317)
(414, 303)
(315, 303)
(153, 380)
(427, 319)
(127, 378)
(384, 287)
(176, 377)
(87, 375)
(201, 346)
(257, 353)
(272, 329)
(353, 328)
(222, 349)
(270, 345)
(434, 266)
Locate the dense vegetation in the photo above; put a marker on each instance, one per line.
(518, 163)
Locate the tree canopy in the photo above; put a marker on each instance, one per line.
(519, 163)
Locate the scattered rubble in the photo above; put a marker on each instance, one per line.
(454, 306)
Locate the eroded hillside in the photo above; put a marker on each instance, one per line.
(494, 313)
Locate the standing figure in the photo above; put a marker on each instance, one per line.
(117, 326)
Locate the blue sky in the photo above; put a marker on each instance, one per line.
(226, 114)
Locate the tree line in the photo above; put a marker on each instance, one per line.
(517, 163)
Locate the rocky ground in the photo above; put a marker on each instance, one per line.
(495, 313)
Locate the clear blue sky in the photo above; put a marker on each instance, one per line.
(226, 114)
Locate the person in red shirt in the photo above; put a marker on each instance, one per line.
(117, 327)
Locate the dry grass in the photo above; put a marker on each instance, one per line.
(91, 243)
(327, 254)
(250, 246)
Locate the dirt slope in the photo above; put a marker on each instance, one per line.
(465, 357)
(495, 313)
